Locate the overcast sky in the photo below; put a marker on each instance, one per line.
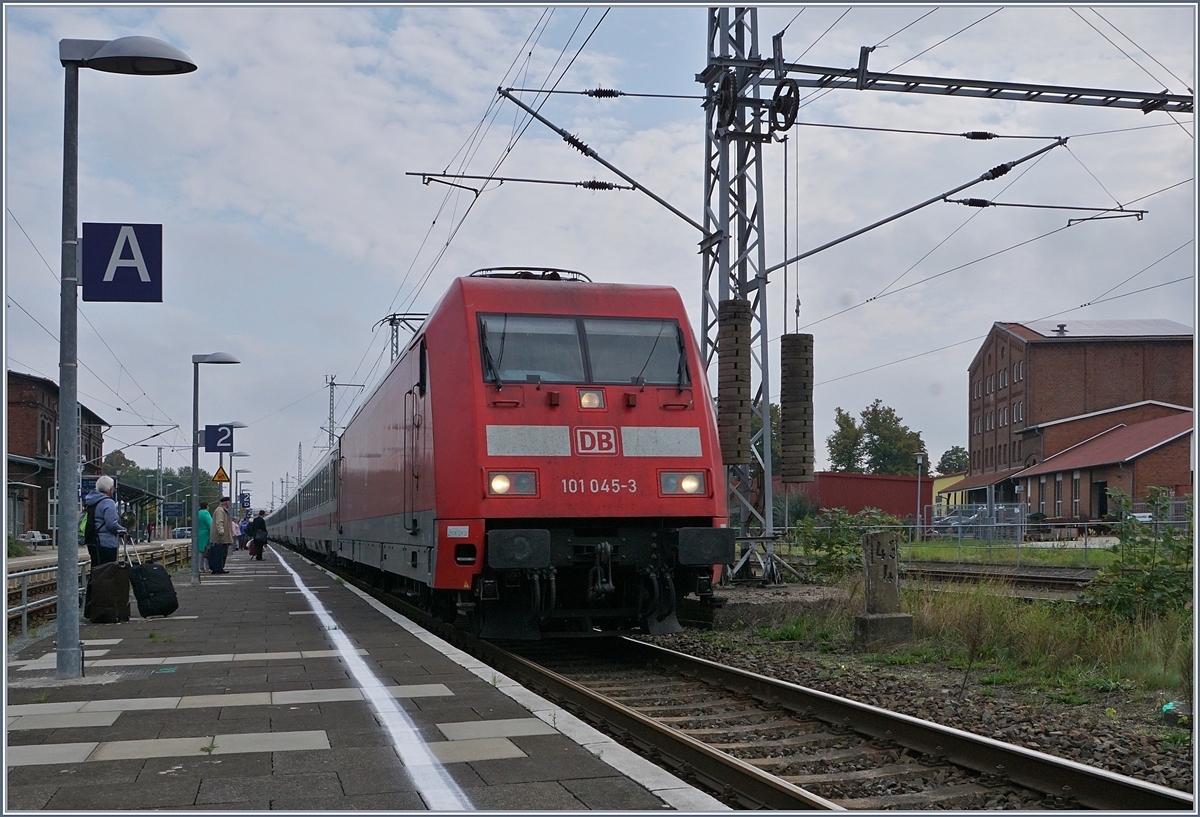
(278, 171)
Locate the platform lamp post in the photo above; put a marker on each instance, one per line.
(126, 55)
(214, 357)
(237, 491)
(920, 460)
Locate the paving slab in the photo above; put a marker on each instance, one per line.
(244, 701)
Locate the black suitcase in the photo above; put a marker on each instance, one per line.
(153, 588)
(107, 599)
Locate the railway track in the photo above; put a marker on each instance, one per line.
(40, 593)
(756, 742)
(1041, 577)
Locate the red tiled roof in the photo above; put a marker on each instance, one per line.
(1120, 444)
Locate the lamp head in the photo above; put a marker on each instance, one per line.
(215, 357)
(146, 56)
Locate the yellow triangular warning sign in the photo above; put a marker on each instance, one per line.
(220, 476)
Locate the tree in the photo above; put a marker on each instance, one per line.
(954, 459)
(878, 443)
(845, 444)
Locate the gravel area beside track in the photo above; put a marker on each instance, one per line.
(1133, 742)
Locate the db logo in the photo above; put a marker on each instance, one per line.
(596, 441)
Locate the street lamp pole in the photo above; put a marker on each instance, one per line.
(126, 55)
(920, 460)
(215, 357)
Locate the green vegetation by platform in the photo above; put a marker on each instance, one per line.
(975, 551)
(1068, 652)
(17, 548)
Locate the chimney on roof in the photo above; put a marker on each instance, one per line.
(1061, 330)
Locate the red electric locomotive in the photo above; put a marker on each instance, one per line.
(543, 457)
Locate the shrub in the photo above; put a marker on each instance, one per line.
(831, 541)
(16, 548)
(1152, 571)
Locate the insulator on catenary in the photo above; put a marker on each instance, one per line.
(979, 134)
(998, 171)
(977, 202)
(733, 380)
(796, 436)
(576, 143)
(595, 184)
(604, 93)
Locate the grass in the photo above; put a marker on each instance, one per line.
(1067, 652)
(975, 551)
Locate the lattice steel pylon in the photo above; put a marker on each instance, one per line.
(733, 254)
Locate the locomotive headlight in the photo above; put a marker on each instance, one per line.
(681, 482)
(512, 483)
(591, 399)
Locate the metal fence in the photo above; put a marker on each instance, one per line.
(22, 581)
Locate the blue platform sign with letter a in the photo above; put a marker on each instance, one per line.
(122, 262)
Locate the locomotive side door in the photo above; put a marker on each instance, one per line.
(414, 444)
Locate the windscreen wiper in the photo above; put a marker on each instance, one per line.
(488, 363)
(683, 367)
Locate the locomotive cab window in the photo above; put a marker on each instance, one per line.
(517, 348)
(552, 349)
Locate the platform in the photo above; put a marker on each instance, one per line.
(277, 686)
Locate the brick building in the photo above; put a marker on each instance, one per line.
(32, 447)
(1073, 483)
(1036, 389)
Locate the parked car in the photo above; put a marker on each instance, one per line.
(181, 533)
(951, 522)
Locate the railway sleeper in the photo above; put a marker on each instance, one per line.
(963, 795)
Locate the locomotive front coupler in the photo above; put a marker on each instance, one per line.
(600, 582)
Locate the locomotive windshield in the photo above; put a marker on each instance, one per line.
(519, 348)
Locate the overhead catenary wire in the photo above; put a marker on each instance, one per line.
(1143, 50)
(981, 337)
(121, 366)
(1131, 59)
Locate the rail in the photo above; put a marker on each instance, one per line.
(48, 592)
(741, 783)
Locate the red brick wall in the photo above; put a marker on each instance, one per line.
(1168, 466)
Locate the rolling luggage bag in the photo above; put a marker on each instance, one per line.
(153, 588)
(107, 599)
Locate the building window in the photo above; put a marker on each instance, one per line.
(1075, 494)
(1002, 353)
(991, 383)
(1058, 496)
(1003, 378)
(1019, 370)
(976, 425)
(1042, 496)
(991, 421)
(1020, 448)
(978, 389)
(1019, 411)
(1004, 416)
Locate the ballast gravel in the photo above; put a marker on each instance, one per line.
(1120, 731)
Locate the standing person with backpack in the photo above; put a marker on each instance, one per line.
(102, 524)
(256, 531)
